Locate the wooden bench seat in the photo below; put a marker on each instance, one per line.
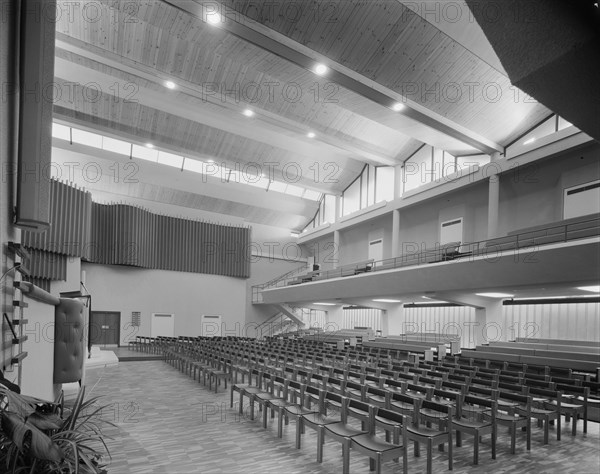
(548, 347)
(565, 342)
(503, 357)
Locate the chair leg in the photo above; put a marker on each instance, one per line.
(280, 423)
(513, 438)
(320, 441)
(450, 458)
(429, 456)
(265, 417)
(346, 456)
(299, 423)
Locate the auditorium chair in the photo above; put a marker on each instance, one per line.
(343, 431)
(418, 433)
(471, 422)
(379, 450)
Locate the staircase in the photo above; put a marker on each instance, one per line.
(284, 320)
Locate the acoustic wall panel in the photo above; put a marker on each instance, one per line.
(70, 218)
(127, 235)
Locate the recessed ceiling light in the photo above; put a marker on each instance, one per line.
(248, 113)
(213, 18)
(397, 107)
(495, 295)
(385, 300)
(325, 304)
(593, 289)
(294, 234)
(529, 142)
(149, 145)
(170, 85)
(211, 161)
(321, 69)
(311, 135)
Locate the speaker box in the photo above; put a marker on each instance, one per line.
(37, 24)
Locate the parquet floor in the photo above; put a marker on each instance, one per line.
(169, 424)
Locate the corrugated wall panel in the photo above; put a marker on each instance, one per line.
(442, 320)
(47, 265)
(70, 217)
(362, 317)
(126, 235)
(68, 234)
(579, 321)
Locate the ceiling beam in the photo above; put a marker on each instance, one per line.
(286, 48)
(225, 106)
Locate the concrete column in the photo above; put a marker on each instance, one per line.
(398, 185)
(336, 248)
(488, 326)
(392, 320)
(493, 201)
(334, 318)
(395, 233)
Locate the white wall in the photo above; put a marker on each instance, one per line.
(533, 195)
(187, 295)
(38, 366)
(354, 242)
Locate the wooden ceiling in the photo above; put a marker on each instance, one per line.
(260, 56)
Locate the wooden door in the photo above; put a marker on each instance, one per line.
(105, 328)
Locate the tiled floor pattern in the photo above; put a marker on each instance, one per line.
(169, 424)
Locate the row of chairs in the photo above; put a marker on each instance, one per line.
(575, 404)
(210, 368)
(365, 393)
(395, 412)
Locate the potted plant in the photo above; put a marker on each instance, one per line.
(44, 437)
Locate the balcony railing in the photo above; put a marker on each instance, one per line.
(493, 248)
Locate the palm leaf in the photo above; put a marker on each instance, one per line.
(76, 409)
